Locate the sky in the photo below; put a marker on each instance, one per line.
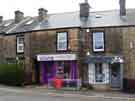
(30, 7)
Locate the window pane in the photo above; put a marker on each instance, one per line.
(20, 44)
(62, 41)
(62, 46)
(98, 41)
(21, 40)
(99, 72)
(21, 48)
(62, 36)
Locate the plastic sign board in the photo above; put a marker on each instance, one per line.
(56, 57)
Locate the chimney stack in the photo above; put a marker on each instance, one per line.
(84, 9)
(19, 16)
(1, 19)
(122, 4)
(86, 1)
(42, 14)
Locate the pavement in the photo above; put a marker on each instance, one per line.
(114, 93)
(36, 93)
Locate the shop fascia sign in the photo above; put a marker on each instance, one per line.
(56, 57)
(117, 59)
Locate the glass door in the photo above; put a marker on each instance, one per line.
(115, 75)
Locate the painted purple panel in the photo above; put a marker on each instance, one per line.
(73, 70)
(42, 72)
(70, 75)
(53, 70)
(44, 79)
(72, 65)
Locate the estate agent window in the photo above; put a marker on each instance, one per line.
(20, 44)
(99, 76)
(98, 41)
(62, 41)
(98, 73)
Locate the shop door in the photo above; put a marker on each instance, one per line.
(115, 75)
(50, 70)
(36, 71)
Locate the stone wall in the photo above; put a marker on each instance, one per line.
(113, 41)
(1, 49)
(118, 41)
(129, 52)
(9, 46)
(44, 42)
(113, 44)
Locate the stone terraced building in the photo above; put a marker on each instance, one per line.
(97, 48)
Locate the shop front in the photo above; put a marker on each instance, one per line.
(62, 66)
(105, 72)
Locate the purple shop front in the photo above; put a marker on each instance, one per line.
(63, 66)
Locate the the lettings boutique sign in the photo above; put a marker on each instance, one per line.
(58, 57)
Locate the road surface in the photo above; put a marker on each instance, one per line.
(17, 94)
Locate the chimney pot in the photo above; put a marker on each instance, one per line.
(122, 4)
(42, 14)
(86, 1)
(84, 10)
(19, 16)
(1, 19)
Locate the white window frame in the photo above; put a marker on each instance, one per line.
(62, 38)
(98, 42)
(19, 44)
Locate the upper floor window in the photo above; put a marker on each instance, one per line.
(62, 41)
(98, 41)
(20, 44)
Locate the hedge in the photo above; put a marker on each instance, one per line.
(11, 74)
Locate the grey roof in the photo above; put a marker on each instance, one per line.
(72, 19)
(111, 18)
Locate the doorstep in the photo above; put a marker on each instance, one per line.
(44, 87)
(67, 89)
